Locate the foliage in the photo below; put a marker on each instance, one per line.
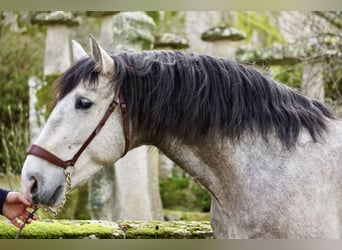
(268, 32)
(168, 21)
(46, 94)
(333, 79)
(290, 75)
(183, 193)
(14, 142)
(20, 57)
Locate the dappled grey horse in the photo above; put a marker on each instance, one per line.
(270, 157)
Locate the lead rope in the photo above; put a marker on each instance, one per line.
(68, 172)
(25, 222)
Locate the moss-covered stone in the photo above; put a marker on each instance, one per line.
(275, 55)
(166, 230)
(173, 215)
(223, 33)
(290, 54)
(62, 229)
(133, 29)
(101, 13)
(170, 40)
(91, 229)
(56, 17)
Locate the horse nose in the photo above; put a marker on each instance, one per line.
(33, 185)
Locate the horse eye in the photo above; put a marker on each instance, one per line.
(83, 103)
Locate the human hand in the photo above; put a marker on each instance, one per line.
(16, 209)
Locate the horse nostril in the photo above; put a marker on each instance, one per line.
(34, 185)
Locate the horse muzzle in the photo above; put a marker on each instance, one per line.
(41, 191)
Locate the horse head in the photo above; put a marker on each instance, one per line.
(86, 96)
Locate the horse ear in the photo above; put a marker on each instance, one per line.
(104, 63)
(77, 51)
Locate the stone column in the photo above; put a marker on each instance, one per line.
(56, 60)
(297, 27)
(36, 116)
(312, 84)
(134, 194)
(101, 192)
(106, 35)
(9, 19)
(222, 35)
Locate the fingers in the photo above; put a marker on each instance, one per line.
(16, 222)
(26, 217)
(32, 216)
(24, 201)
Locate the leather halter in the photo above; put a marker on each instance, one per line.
(50, 157)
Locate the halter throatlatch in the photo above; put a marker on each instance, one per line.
(50, 157)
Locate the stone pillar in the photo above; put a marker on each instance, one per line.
(170, 32)
(57, 51)
(222, 35)
(312, 81)
(101, 192)
(106, 35)
(296, 27)
(137, 185)
(132, 31)
(9, 19)
(36, 116)
(135, 193)
(56, 60)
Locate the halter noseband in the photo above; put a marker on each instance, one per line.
(50, 157)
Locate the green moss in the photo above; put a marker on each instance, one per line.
(166, 230)
(77, 229)
(173, 215)
(56, 229)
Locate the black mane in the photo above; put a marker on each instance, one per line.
(193, 96)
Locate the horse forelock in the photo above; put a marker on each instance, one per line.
(192, 97)
(81, 71)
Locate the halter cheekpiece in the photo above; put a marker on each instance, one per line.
(118, 99)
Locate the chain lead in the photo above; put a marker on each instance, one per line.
(55, 211)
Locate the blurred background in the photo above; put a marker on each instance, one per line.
(300, 49)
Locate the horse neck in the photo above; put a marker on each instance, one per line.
(208, 163)
(223, 166)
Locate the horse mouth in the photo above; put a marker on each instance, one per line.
(54, 198)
